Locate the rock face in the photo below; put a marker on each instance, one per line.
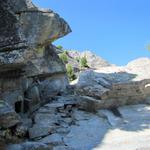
(93, 61)
(31, 72)
(18, 28)
(29, 67)
(140, 62)
(115, 86)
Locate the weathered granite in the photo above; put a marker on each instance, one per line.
(20, 30)
(90, 84)
(115, 86)
(93, 61)
(31, 73)
(30, 69)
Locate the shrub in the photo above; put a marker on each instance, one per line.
(83, 62)
(77, 59)
(59, 47)
(66, 52)
(63, 56)
(70, 72)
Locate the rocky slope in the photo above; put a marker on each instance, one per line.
(40, 110)
(74, 58)
(93, 61)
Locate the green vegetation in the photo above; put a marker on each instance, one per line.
(70, 72)
(83, 62)
(59, 47)
(66, 52)
(64, 57)
(77, 59)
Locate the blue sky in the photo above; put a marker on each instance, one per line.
(117, 30)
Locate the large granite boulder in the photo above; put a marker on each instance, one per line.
(115, 86)
(23, 25)
(91, 84)
(30, 70)
(45, 62)
(31, 73)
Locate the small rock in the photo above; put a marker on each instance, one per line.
(88, 104)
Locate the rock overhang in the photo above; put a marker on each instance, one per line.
(28, 61)
(29, 26)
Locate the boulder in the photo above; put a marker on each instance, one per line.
(89, 104)
(91, 84)
(45, 63)
(30, 70)
(48, 26)
(31, 73)
(20, 30)
(115, 86)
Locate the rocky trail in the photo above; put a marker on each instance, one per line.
(64, 126)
